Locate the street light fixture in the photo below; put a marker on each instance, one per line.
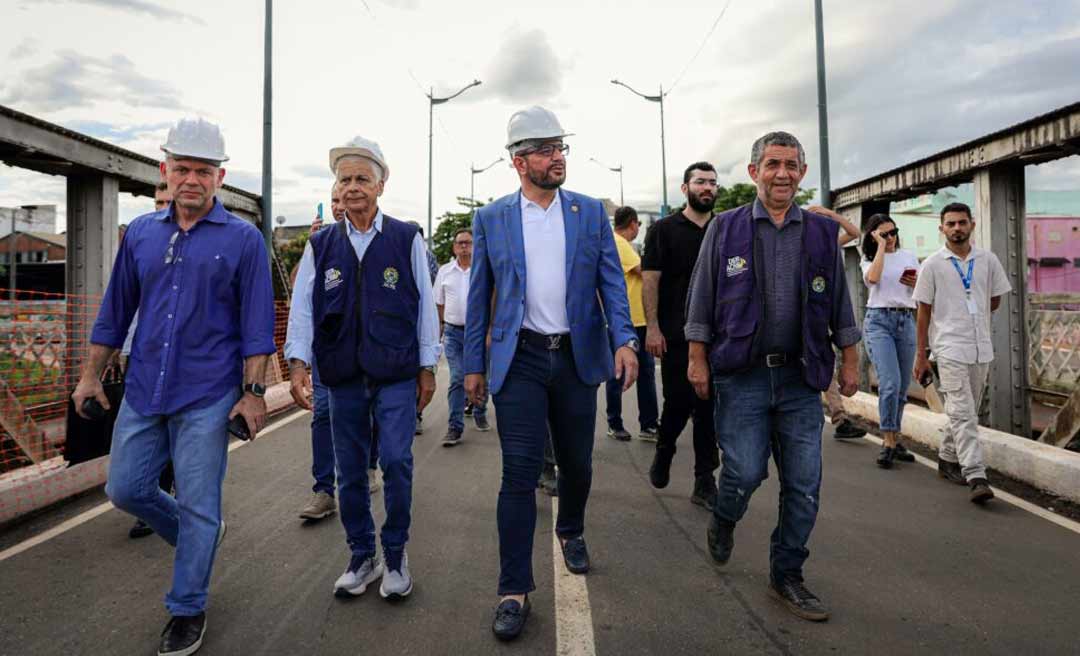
(472, 179)
(659, 98)
(613, 169)
(432, 101)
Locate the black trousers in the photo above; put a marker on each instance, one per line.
(681, 405)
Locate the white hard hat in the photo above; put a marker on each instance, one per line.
(196, 138)
(533, 123)
(360, 147)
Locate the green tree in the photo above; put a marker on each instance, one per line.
(741, 193)
(289, 254)
(443, 239)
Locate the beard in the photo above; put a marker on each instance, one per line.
(546, 179)
(959, 237)
(698, 203)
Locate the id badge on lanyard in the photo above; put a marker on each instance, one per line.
(969, 300)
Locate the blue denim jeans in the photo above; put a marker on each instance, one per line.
(355, 408)
(542, 390)
(890, 343)
(766, 410)
(454, 346)
(322, 442)
(648, 411)
(196, 441)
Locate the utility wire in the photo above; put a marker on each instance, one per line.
(700, 48)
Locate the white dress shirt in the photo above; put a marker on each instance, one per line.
(957, 332)
(545, 267)
(300, 331)
(452, 292)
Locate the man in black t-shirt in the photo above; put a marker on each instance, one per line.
(671, 249)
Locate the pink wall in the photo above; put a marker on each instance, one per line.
(1053, 237)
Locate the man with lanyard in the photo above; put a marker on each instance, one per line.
(671, 249)
(957, 290)
(768, 302)
(451, 297)
(201, 278)
(560, 312)
(366, 317)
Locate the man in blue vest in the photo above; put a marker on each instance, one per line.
(366, 317)
(550, 258)
(768, 301)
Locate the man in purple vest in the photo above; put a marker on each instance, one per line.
(768, 301)
(366, 317)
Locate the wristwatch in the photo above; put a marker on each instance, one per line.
(634, 345)
(255, 390)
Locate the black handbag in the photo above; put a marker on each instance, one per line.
(91, 438)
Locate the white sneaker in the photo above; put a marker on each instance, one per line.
(397, 584)
(359, 575)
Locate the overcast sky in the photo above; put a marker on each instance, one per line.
(905, 80)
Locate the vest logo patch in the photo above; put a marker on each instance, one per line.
(818, 284)
(332, 279)
(735, 266)
(390, 278)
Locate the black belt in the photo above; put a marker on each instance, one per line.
(892, 309)
(454, 325)
(546, 342)
(773, 360)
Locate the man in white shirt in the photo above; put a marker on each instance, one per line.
(451, 298)
(958, 287)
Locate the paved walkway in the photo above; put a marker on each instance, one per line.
(905, 562)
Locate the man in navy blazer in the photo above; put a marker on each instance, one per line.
(547, 286)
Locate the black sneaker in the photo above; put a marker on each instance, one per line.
(510, 619)
(846, 430)
(140, 530)
(885, 457)
(182, 635)
(721, 536)
(901, 453)
(800, 601)
(704, 493)
(951, 471)
(620, 434)
(453, 438)
(980, 491)
(651, 434)
(660, 471)
(576, 555)
(481, 422)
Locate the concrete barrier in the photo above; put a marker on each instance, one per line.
(1048, 468)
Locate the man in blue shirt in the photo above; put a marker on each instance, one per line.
(364, 313)
(200, 278)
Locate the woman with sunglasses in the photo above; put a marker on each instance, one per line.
(889, 327)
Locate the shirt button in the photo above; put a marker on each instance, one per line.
(166, 345)
(170, 316)
(175, 287)
(179, 259)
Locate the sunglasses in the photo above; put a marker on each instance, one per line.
(895, 232)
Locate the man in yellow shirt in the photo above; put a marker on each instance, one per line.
(626, 230)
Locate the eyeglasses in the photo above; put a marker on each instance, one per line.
(169, 251)
(463, 243)
(547, 150)
(895, 232)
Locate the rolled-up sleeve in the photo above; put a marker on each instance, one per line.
(121, 298)
(845, 332)
(701, 300)
(256, 299)
(300, 331)
(427, 327)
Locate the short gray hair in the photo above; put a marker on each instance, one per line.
(524, 144)
(375, 165)
(785, 139)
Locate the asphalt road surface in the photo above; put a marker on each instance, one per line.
(904, 561)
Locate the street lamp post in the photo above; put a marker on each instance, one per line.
(823, 112)
(472, 179)
(659, 98)
(613, 169)
(267, 151)
(432, 101)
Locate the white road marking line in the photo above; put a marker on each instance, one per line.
(102, 508)
(573, 614)
(1038, 511)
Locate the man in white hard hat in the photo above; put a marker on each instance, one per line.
(200, 277)
(549, 257)
(365, 316)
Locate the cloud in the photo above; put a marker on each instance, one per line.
(312, 171)
(26, 48)
(525, 69)
(137, 7)
(73, 80)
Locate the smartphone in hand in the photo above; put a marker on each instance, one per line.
(238, 428)
(926, 378)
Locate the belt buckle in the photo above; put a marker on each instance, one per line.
(773, 360)
(554, 342)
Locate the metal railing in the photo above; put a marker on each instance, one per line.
(1053, 322)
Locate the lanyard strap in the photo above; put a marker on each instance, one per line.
(965, 280)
